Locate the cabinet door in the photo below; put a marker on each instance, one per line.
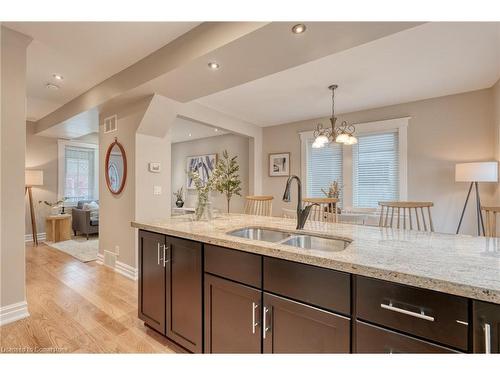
(486, 327)
(232, 317)
(184, 293)
(152, 280)
(292, 327)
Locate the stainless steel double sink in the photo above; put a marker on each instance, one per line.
(303, 241)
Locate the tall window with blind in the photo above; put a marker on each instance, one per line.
(79, 173)
(375, 169)
(324, 165)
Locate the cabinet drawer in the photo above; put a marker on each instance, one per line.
(436, 316)
(371, 339)
(234, 265)
(314, 285)
(486, 327)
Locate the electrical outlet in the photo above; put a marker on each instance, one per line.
(157, 190)
(117, 250)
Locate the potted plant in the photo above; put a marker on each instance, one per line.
(228, 180)
(179, 202)
(55, 207)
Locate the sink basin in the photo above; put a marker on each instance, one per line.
(316, 243)
(260, 234)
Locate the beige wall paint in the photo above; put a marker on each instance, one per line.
(234, 144)
(117, 211)
(13, 125)
(442, 131)
(41, 153)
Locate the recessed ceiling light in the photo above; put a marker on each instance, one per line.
(189, 135)
(216, 130)
(58, 76)
(213, 65)
(299, 28)
(52, 86)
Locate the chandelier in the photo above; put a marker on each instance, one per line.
(342, 133)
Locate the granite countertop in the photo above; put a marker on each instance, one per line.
(456, 264)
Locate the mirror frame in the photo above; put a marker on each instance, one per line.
(106, 165)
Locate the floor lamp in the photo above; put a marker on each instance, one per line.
(32, 178)
(475, 173)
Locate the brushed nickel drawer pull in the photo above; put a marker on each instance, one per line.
(406, 312)
(165, 258)
(264, 325)
(462, 322)
(487, 338)
(254, 323)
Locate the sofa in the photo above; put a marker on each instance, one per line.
(85, 218)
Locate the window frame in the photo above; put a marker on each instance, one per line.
(400, 125)
(61, 167)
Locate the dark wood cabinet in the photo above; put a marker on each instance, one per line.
(232, 317)
(313, 285)
(152, 279)
(427, 314)
(374, 340)
(212, 299)
(486, 322)
(184, 310)
(170, 288)
(293, 327)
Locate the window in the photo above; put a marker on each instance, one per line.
(375, 161)
(324, 165)
(374, 170)
(77, 171)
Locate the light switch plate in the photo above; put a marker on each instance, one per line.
(157, 190)
(154, 167)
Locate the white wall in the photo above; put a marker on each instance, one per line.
(442, 132)
(12, 147)
(234, 144)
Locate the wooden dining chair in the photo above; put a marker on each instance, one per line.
(324, 210)
(401, 214)
(490, 216)
(261, 205)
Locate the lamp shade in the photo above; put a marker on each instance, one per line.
(477, 172)
(33, 177)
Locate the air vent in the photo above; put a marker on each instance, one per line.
(110, 124)
(109, 259)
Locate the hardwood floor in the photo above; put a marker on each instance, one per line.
(79, 307)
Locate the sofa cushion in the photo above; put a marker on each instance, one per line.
(94, 223)
(81, 204)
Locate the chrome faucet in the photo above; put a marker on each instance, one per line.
(302, 213)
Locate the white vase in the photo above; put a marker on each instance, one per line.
(55, 210)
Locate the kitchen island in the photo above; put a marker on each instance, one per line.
(388, 290)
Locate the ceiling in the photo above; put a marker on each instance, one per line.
(430, 60)
(85, 54)
(184, 130)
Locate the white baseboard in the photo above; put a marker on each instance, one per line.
(120, 267)
(39, 236)
(13, 312)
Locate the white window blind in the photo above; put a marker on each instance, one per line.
(375, 169)
(324, 165)
(79, 173)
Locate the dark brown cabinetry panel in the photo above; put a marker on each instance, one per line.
(371, 339)
(184, 293)
(232, 317)
(234, 265)
(424, 313)
(292, 327)
(315, 285)
(486, 318)
(152, 280)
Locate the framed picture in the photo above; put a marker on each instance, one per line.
(279, 164)
(203, 164)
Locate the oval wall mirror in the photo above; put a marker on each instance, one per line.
(116, 167)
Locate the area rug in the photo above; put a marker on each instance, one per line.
(82, 249)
